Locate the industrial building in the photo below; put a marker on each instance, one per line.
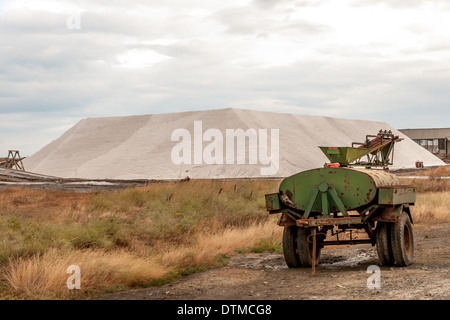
(435, 140)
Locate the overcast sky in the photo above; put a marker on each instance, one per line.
(359, 59)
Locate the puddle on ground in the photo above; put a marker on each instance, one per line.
(358, 258)
(347, 257)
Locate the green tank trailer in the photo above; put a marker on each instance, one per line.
(342, 198)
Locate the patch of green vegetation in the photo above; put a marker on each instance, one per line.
(221, 259)
(267, 245)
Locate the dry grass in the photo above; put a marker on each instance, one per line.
(433, 196)
(210, 244)
(44, 276)
(432, 207)
(443, 171)
(144, 236)
(427, 185)
(54, 205)
(133, 237)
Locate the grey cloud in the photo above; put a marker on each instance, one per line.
(32, 22)
(270, 4)
(127, 4)
(248, 20)
(355, 89)
(49, 73)
(301, 27)
(403, 4)
(242, 20)
(30, 132)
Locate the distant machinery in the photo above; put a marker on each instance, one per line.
(13, 161)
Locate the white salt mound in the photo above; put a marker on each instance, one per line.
(140, 147)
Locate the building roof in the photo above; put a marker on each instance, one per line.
(431, 133)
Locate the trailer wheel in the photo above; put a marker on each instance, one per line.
(383, 242)
(402, 240)
(305, 247)
(290, 247)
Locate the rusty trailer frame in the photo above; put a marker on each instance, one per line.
(341, 196)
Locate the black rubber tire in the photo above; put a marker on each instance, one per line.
(290, 247)
(402, 241)
(304, 247)
(383, 243)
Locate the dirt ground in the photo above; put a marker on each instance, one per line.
(342, 274)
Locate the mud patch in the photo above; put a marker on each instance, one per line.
(350, 258)
(258, 261)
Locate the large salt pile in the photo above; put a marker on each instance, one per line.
(155, 146)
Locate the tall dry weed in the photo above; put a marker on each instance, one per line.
(210, 243)
(431, 184)
(44, 276)
(432, 207)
